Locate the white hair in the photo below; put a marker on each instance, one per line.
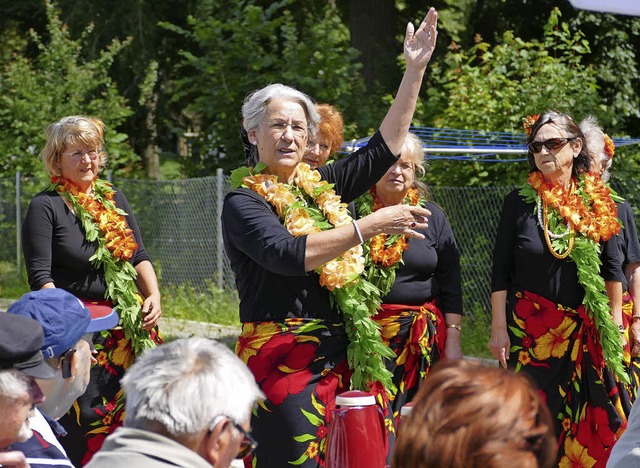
(255, 105)
(13, 384)
(183, 385)
(594, 136)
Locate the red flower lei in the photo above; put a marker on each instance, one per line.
(113, 226)
(599, 220)
(390, 255)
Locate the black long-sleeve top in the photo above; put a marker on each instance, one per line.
(431, 268)
(629, 247)
(269, 263)
(521, 258)
(55, 248)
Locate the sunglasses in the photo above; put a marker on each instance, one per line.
(248, 444)
(551, 144)
(66, 363)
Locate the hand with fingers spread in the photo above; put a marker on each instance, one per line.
(419, 45)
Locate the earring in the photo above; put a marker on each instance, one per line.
(254, 142)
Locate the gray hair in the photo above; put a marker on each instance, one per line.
(13, 384)
(184, 385)
(255, 105)
(594, 136)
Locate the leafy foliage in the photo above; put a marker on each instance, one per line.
(241, 46)
(491, 87)
(57, 82)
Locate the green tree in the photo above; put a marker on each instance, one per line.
(56, 82)
(492, 87)
(239, 47)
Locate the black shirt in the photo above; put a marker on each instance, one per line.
(268, 261)
(55, 248)
(431, 268)
(521, 258)
(629, 247)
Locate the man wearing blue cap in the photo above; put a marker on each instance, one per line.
(65, 320)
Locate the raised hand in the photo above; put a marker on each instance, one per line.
(419, 45)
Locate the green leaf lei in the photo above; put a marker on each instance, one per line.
(586, 255)
(358, 300)
(119, 274)
(381, 277)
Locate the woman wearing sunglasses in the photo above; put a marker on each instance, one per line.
(556, 290)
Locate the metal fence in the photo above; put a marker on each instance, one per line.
(180, 223)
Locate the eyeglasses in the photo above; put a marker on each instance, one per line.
(79, 155)
(66, 363)
(279, 128)
(551, 144)
(248, 444)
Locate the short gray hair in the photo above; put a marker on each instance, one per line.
(594, 136)
(13, 384)
(183, 385)
(255, 105)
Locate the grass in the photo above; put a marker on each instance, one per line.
(214, 305)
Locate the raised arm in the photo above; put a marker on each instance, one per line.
(418, 47)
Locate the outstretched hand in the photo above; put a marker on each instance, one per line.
(419, 45)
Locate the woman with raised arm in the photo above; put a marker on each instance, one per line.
(305, 335)
(557, 293)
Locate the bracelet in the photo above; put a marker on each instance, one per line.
(355, 225)
(635, 317)
(621, 328)
(455, 325)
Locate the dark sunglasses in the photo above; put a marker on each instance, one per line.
(66, 363)
(551, 144)
(248, 444)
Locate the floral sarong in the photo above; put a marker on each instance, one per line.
(559, 348)
(100, 410)
(417, 335)
(628, 393)
(300, 365)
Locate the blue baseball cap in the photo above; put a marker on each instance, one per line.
(64, 318)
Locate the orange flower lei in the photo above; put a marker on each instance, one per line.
(110, 220)
(392, 254)
(609, 146)
(599, 220)
(339, 271)
(105, 225)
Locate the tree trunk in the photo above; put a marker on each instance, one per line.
(372, 24)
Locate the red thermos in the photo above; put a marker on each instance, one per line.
(357, 437)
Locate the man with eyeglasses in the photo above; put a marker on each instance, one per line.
(188, 404)
(67, 326)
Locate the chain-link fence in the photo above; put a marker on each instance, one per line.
(180, 223)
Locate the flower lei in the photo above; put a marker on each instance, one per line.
(310, 205)
(104, 225)
(383, 253)
(577, 219)
(609, 146)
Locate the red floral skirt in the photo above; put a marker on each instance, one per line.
(417, 335)
(100, 410)
(628, 393)
(559, 348)
(300, 365)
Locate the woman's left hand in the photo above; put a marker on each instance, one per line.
(151, 311)
(452, 349)
(634, 338)
(419, 46)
